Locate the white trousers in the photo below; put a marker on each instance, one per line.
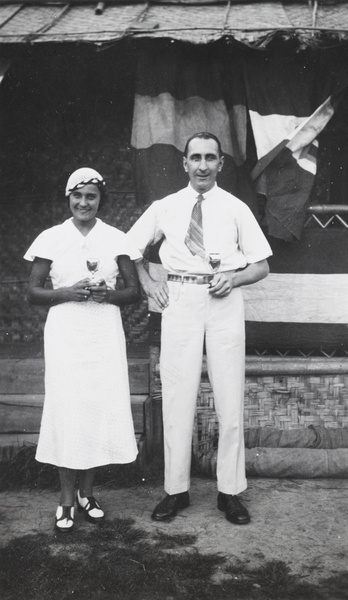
(193, 314)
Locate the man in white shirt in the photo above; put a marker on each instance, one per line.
(202, 300)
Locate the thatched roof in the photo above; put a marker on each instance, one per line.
(195, 21)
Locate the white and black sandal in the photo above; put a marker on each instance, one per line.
(64, 519)
(90, 507)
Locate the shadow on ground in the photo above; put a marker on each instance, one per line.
(120, 561)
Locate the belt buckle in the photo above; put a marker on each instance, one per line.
(200, 279)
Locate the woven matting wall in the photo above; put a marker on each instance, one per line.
(278, 401)
(284, 402)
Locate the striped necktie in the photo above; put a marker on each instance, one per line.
(194, 236)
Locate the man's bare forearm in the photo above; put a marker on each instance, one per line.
(143, 274)
(155, 289)
(251, 274)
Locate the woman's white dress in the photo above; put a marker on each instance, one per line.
(87, 420)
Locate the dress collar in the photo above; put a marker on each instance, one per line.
(94, 228)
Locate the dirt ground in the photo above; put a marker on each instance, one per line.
(301, 522)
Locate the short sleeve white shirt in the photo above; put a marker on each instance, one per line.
(229, 228)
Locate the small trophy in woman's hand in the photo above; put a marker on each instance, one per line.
(92, 266)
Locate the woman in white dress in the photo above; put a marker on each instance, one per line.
(87, 420)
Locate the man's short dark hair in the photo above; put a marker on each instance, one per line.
(203, 135)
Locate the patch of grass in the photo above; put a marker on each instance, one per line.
(336, 587)
(167, 541)
(23, 471)
(112, 562)
(120, 562)
(270, 580)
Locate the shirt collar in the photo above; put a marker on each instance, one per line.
(206, 195)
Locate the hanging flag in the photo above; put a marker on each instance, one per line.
(285, 128)
(302, 305)
(181, 90)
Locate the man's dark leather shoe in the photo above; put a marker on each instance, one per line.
(235, 511)
(169, 506)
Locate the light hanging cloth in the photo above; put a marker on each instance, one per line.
(194, 237)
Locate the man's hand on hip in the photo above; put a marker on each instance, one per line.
(158, 291)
